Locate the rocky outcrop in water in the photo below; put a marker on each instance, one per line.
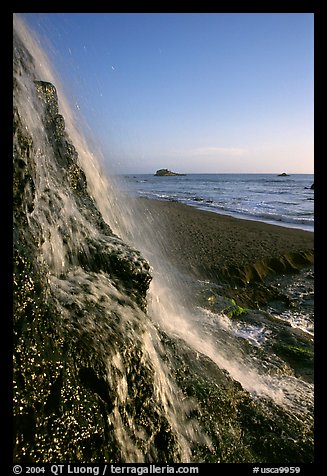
(166, 173)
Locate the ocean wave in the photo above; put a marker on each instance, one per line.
(273, 200)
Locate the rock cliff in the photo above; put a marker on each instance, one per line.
(71, 316)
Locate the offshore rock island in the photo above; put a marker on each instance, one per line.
(166, 173)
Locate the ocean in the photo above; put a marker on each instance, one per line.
(282, 200)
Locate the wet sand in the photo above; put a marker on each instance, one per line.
(226, 249)
(224, 262)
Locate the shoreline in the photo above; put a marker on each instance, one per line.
(203, 195)
(260, 276)
(239, 216)
(226, 249)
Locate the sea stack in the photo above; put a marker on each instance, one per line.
(166, 173)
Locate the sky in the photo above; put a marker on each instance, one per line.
(191, 92)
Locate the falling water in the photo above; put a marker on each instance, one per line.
(145, 352)
(170, 308)
(62, 227)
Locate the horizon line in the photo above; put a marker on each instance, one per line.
(277, 174)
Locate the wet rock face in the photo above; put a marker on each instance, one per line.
(62, 394)
(110, 254)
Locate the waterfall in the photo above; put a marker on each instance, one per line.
(77, 251)
(112, 362)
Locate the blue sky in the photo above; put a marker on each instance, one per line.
(191, 92)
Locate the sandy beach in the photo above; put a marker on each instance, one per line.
(227, 249)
